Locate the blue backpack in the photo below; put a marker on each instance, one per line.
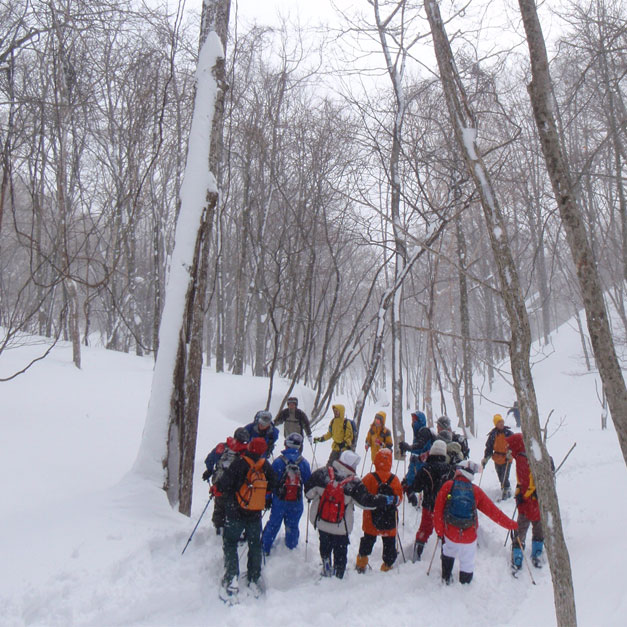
(461, 510)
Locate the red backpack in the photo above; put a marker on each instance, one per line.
(332, 507)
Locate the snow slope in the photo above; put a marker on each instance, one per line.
(85, 543)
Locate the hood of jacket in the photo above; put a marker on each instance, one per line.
(291, 454)
(382, 415)
(516, 443)
(236, 446)
(418, 420)
(383, 463)
(340, 409)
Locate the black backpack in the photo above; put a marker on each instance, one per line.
(384, 518)
(290, 483)
(226, 459)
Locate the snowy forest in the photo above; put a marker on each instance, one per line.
(399, 206)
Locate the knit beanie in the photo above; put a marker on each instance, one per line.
(444, 422)
(292, 399)
(257, 446)
(350, 460)
(467, 469)
(438, 448)
(293, 440)
(497, 418)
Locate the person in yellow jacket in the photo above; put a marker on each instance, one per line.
(341, 430)
(378, 436)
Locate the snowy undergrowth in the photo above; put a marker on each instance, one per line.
(84, 543)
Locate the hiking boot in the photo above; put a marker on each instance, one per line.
(536, 553)
(465, 577)
(219, 531)
(447, 569)
(327, 567)
(507, 493)
(517, 558)
(229, 591)
(417, 554)
(362, 564)
(386, 567)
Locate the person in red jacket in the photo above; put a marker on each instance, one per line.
(528, 508)
(455, 521)
(383, 521)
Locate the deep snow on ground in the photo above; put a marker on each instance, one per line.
(85, 543)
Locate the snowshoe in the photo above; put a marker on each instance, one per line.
(506, 494)
(229, 592)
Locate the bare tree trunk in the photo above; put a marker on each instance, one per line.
(540, 92)
(464, 124)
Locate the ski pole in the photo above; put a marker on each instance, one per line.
(512, 516)
(565, 458)
(198, 523)
(313, 448)
(363, 465)
(307, 532)
(432, 557)
(533, 581)
(398, 539)
(509, 463)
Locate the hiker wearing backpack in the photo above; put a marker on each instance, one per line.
(445, 432)
(295, 420)
(378, 436)
(496, 448)
(292, 471)
(247, 485)
(528, 507)
(381, 521)
(262, 427)
(334, 490)
(515, 411)
(419, 449)
(428, 480)
(218, 460)
(341, 431)
(455, 520)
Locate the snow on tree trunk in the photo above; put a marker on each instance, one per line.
(540, 92)
(158, 458)
(464, 124)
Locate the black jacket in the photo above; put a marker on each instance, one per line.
(430, 478)
(233, 478)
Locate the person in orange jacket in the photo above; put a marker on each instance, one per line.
(382, 521)
(378, 436)
(455, 520)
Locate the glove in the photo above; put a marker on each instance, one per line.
(484, 461)
(213, 490)
(404, 447)
(391, 500)
(412, 498)
(367, 446)
(508, 456)
(519, 499)
(310, 439)
(206, 475)
(318, 440)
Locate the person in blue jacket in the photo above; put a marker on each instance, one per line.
(292, 471)
(419, 449)
(262, 427)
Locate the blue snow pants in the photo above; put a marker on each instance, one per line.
(288, 512)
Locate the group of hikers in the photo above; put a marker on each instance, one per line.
(245, 483)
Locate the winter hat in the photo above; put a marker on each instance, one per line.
(468, 469)
(292, 399)
(454, 451)
(263, 419)
(241, 435)
(444, 422)
(350, 460)
(257, 446)
(497, 418)
(294, 440)
(438, 448)
(381, 415)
